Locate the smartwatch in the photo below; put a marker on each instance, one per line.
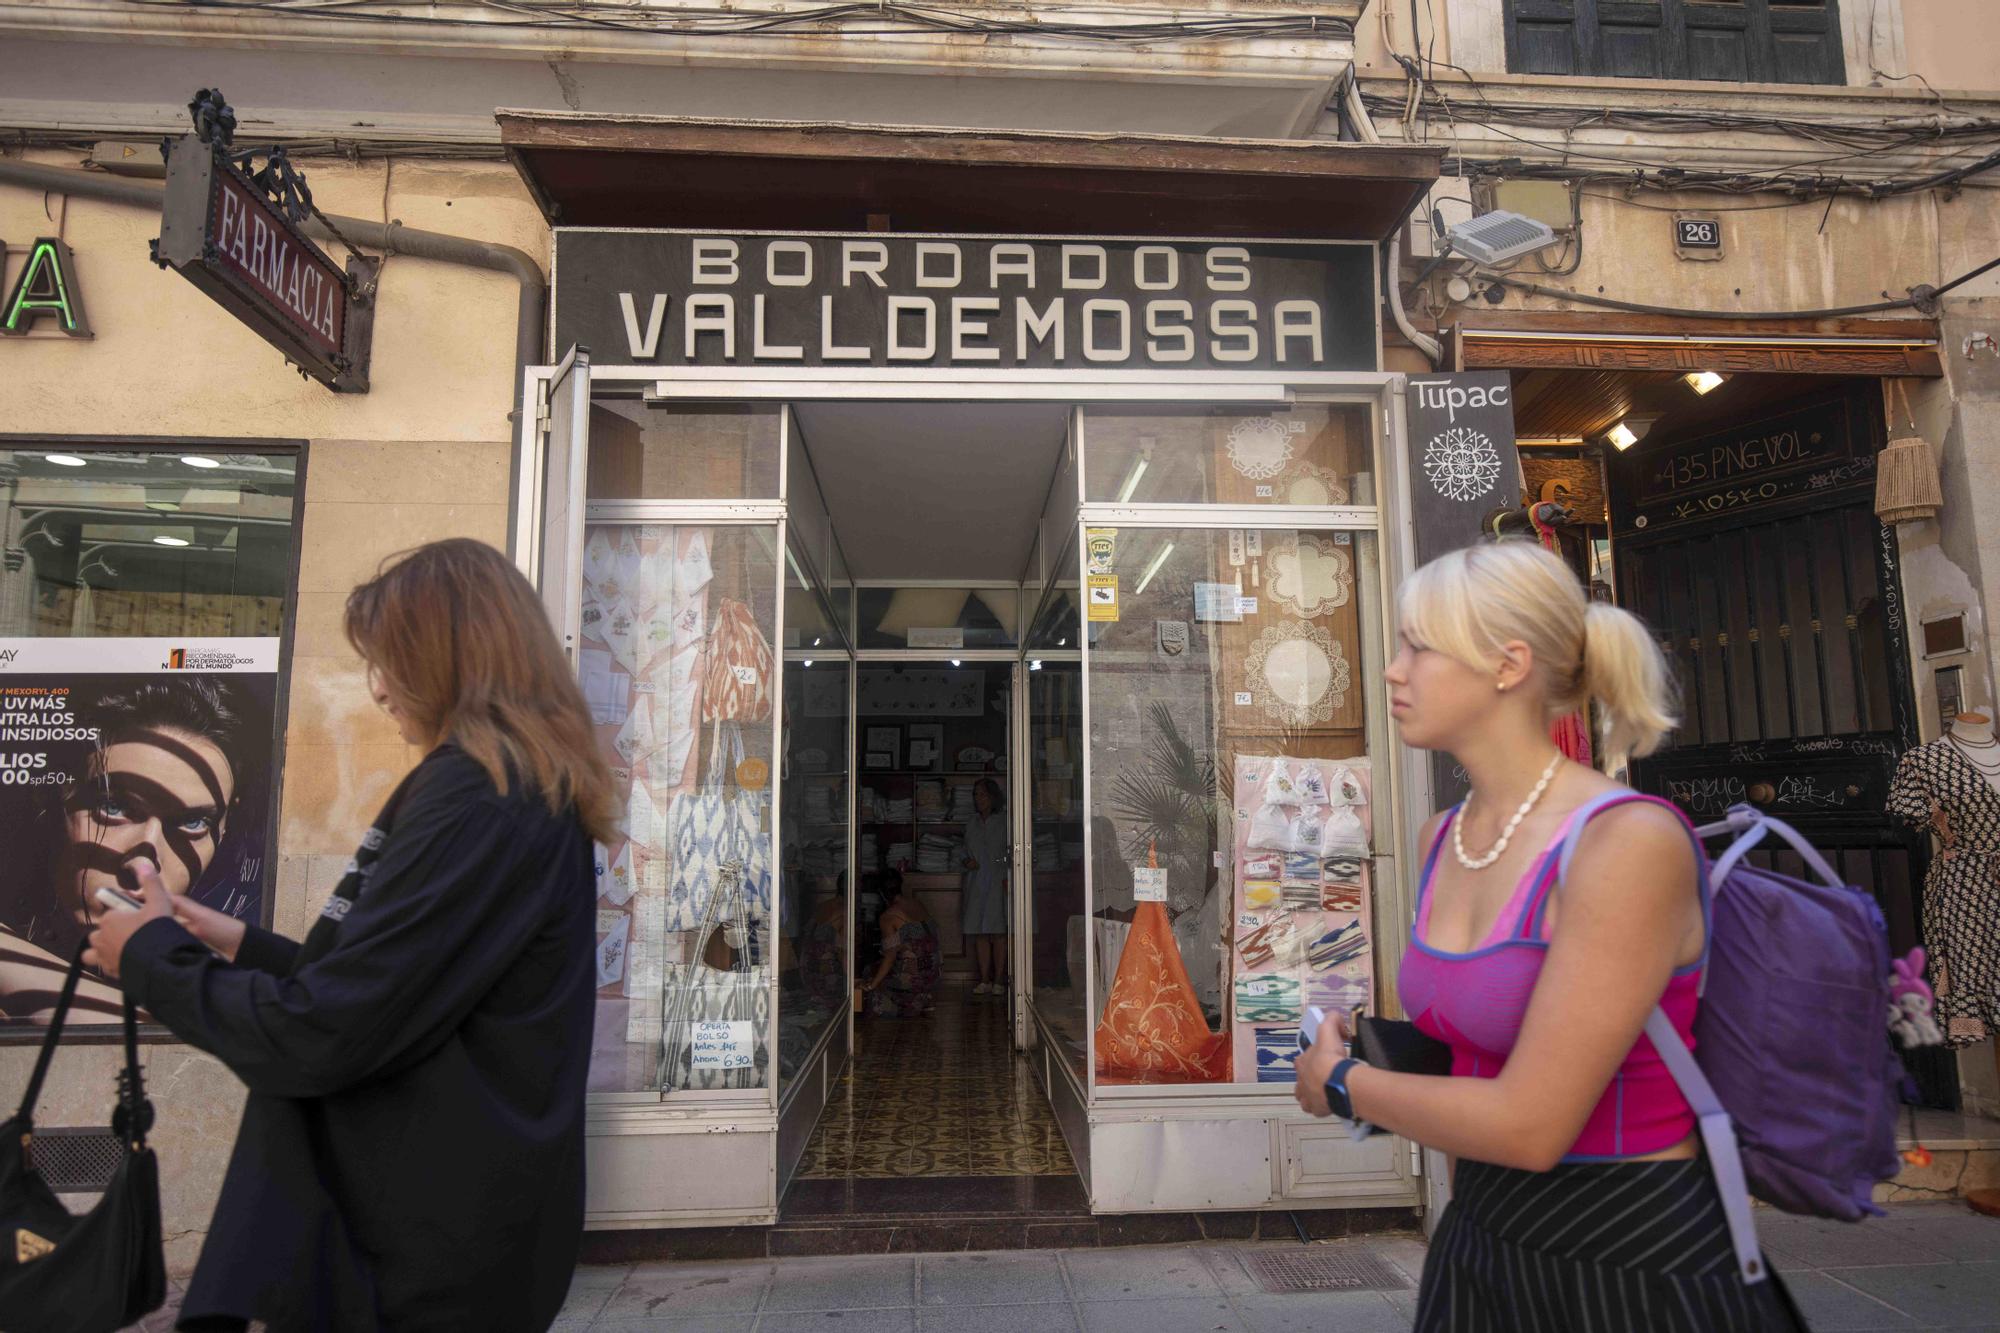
(1336, 1088)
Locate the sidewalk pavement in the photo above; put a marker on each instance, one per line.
(1924, 1266)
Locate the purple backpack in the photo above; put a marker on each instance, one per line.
(1793, 1078)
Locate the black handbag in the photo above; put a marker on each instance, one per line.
(61, 1273)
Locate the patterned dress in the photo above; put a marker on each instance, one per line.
(906, 992)
(1936, 785)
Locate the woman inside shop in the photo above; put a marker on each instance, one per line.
(411, 1154)
(1578, 1191)
(904, 983)
(984, 856)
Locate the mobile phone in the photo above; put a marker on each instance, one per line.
(117, 900)
(1310, 1028)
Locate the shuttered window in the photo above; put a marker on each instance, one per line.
(1735, 41)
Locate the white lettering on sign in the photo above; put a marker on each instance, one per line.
(775, 273)
(724, 1045)
(715, 263)
(1443, 395)
(287, 273)
(867, 258)
(643, 344)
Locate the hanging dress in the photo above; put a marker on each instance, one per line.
(1937, 786)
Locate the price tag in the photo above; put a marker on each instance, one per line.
(1244, 699)
(1149, 885)
(1266, 492)
(1237, 546)
(1247, 922)
(1259, 987)
(745, 675)
(724, 1045)
(1255, 538)
(1246, 606)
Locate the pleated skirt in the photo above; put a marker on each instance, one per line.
(1615, 1247)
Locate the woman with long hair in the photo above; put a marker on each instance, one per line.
(1580, 1198)
(411, 1154)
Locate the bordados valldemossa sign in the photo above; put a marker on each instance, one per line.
(711, 299)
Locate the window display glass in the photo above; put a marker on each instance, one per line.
(1062, 932)
(679, 451)
(677, 666)
(1311, 454)
(939, 618)
(1233, 683)
(813, 884)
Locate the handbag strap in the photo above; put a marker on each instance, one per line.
(133, 1116)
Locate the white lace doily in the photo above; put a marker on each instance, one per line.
(1316, 485)
(1309, 575)
(1259, 447)
(1300, 673)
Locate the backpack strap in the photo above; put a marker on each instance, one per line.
(1589, 810)
(1718, 1136)
(1750, 825)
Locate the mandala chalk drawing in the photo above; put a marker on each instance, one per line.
(1309, 576)
(1260, 447)
(1462, 463)
(1301, 673)
(1316, 485)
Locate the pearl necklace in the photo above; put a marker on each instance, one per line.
(1507, 834)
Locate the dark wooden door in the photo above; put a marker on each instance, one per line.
(1733, 41)
(1755, 554)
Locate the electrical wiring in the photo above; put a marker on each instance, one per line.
(1920, 298)
(835, 20)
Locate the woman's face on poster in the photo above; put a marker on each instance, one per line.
(160, 797)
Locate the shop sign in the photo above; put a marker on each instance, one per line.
(238, 238)
(1463, 465)
(91, 780)
(1816, 448)
(674, 298)
(45, 290)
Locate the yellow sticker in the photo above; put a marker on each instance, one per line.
(1102, 590)
(753, 774)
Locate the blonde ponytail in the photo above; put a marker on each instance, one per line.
(1624, 672)
(1468, 604)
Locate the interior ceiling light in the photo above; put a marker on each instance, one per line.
(1137, 469)
(1631, 430)
(65, 460)
(1621, 437)
(170, 541)
(196, 460)
(1704, 382)
(1499, 236)
(956, 662)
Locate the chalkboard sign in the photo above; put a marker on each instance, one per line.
(1463, 466)
(1816, 447)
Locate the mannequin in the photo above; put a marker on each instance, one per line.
(1972, 733)
(1952, 787)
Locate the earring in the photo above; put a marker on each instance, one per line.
(1500, 685)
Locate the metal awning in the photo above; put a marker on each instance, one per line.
(629, 171)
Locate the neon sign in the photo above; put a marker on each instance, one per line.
(46, 289)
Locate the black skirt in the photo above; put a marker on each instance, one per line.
(1609, 1247)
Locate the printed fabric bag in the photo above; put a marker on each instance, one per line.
(1153, 1028)
(105, 1269)
(1793, 1079)
(709, 829)
(717, 1027)
(736, 682)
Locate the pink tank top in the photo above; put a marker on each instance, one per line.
(1475, 1002)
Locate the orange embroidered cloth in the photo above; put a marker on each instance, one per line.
(1153, 1030)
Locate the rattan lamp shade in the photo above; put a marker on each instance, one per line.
(1906, 474)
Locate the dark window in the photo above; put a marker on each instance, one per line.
(1735, 41)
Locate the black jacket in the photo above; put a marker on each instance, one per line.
(411, 1156)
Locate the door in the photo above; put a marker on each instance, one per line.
(1775, 595)
(565, 458)
(1020, 870)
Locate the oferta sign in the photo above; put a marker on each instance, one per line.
(45, 292)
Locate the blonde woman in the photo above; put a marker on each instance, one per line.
(411, 1154)
(1579, 1196)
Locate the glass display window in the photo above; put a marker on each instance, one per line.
(1308, 454)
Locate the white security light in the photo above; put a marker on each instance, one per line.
(1622, 437)
(1499, 236)
(1704, 382)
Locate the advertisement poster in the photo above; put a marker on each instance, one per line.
(114, 750)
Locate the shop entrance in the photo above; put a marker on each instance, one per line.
(935, 511)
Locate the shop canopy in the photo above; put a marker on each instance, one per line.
(672, 172)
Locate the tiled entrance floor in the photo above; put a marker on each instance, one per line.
(944, 1095)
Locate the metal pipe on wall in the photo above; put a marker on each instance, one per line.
(391, 237)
